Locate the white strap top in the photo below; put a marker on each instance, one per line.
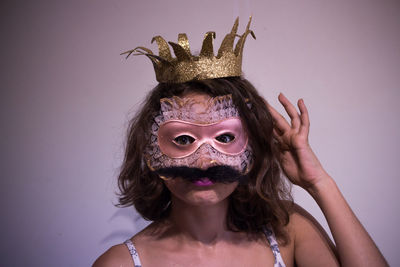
(134, 254)
(269, 233)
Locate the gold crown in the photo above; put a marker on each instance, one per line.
(186, 67)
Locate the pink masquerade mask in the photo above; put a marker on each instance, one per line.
(178, 139)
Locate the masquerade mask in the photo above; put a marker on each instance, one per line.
(181, 135)
(178, 139)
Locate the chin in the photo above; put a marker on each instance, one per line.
(204, 197)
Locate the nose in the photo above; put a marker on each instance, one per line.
(205, 163)
(205, 157)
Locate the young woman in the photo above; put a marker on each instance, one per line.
(205, 162)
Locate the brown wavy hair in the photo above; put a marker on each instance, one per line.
(264, 200)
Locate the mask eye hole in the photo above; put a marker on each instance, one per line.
(184, 140)
(225, 138)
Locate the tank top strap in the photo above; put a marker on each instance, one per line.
(269, 233)
(134, 253)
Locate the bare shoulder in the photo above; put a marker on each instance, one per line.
(313, 247)
(302, 221)
(117, 255)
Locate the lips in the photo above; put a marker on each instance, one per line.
(203, 182)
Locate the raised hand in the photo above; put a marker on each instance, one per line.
(302, 167)
(297, 159)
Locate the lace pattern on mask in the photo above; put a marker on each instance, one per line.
(176, 108)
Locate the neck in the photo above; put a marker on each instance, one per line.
(205, 224)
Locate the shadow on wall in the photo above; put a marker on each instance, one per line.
(136, 223)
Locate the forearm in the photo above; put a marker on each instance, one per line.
(354, 245)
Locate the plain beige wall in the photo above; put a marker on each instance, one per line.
(66, 97)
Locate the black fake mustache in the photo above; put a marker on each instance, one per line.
(217, 174)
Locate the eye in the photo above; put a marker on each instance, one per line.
(184, 140)
(225, 138)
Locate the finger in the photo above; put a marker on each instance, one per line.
(277, 134)
(291, 111)
(282, 145)
(305, 120)
(280, 122)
